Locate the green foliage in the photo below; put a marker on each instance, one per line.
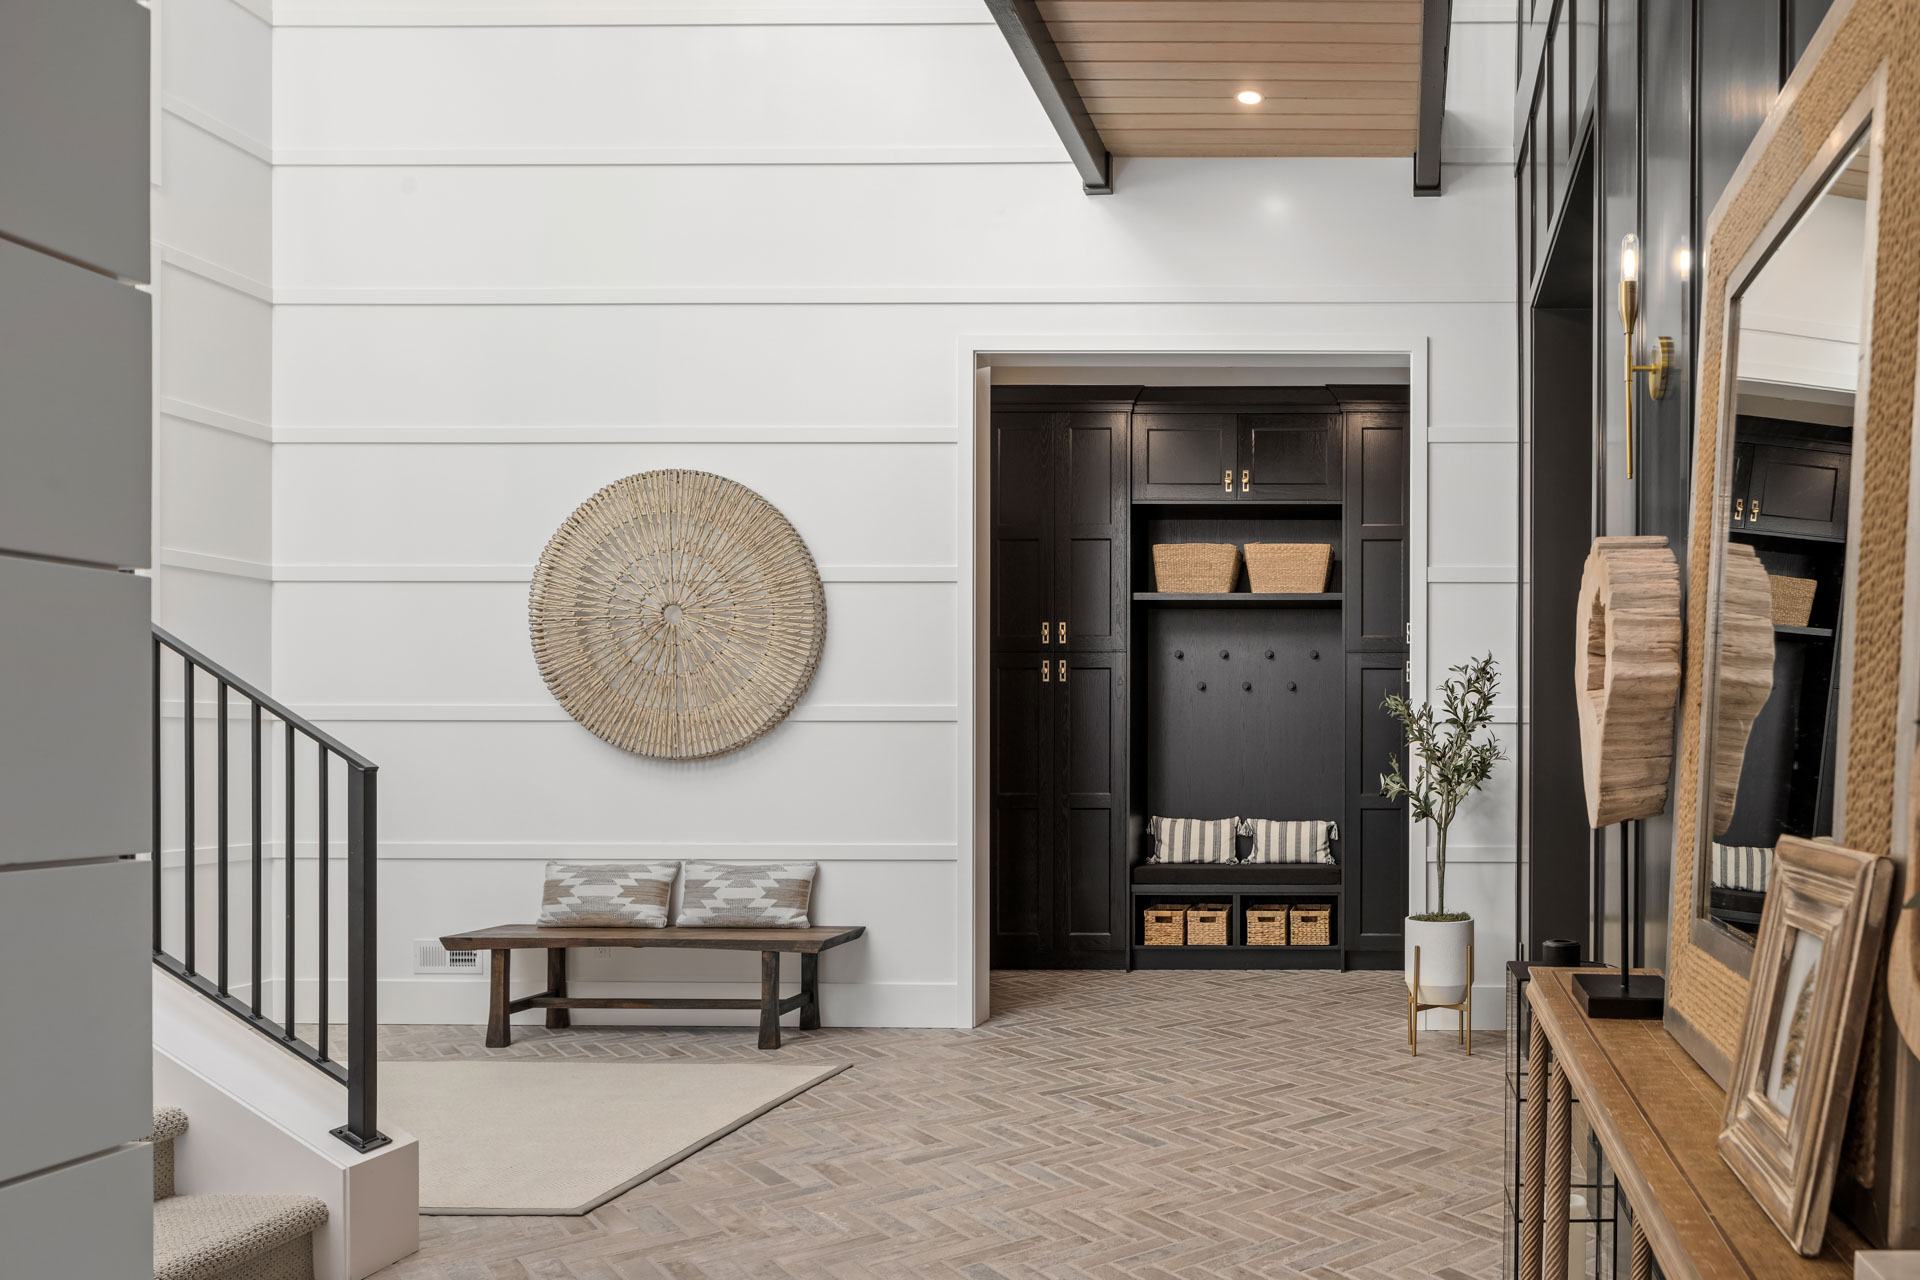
(1441, 917)
(1451, 758)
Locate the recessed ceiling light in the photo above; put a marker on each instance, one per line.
(1250, 97)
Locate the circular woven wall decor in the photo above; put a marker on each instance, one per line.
(677, 615)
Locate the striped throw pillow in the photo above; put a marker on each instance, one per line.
(1742, 866)
(1278, 841)
(1193, 839)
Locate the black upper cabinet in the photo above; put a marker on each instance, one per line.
(1090, 530)
(1059, 519)
(1790, 489)
(1185, 457)
(1237, 444)
(1023, 540)
(1375, 528)
(1290, 457)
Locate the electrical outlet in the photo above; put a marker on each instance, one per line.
(603, 953)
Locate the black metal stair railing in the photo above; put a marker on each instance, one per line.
(178, 910)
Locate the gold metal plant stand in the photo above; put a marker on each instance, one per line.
(1415, 1008)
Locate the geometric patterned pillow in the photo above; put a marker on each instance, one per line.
(764, 895)
(621, 895)
(1277, 841)
(1192, 839)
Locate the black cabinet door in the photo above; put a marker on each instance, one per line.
(1023, 822)
(1290, 457)
(1023, 535)
(1797, 491)
(1186, 457)
(1090, 522)
(1089, 885)
(1373, 840)
(1375, 530)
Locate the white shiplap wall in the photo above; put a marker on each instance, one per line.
(520, 250)
(212, 198)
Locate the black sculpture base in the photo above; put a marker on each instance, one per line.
(1601, 995)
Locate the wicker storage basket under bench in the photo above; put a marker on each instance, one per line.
(1165, 926)
(1310, 925)
(1266, 926)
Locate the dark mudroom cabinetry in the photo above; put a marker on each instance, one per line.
(1059, 624)
(1113, 701)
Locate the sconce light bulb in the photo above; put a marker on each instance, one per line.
(1249, 97)
(1630, 258)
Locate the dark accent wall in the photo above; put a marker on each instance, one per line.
(1631, 116)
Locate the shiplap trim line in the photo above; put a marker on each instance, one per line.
(239, 852)
(654, 157)
(611, 434)
(217, 419)
(553, 712)
(294, 13)
(1492, 292)
(214, 127)
(177, 558)
(226, 277)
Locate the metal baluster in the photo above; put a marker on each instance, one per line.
(190, 870)
(286, 979)
(154, 857)
(259, 869)
(320, 937)
(220, 880)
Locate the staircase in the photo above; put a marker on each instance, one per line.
(264, 886)
(225, 1237)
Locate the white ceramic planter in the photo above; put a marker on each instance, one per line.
(1443, 959)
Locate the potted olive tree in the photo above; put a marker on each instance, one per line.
(1451, 752)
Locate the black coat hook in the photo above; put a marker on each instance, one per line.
(1314, 654)
(1291, 686)
(1269, 655)
(1179, 653)
(1223, 653)
(1203, 686)
(1246, 686)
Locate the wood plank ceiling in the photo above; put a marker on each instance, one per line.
(1161, 77)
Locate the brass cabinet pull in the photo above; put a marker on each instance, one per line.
(1753, 511)
(1046, 671)
(1063, 670)
(1063, 631)
(1043, 631)
(1226, 481)
(1246, 482)
(1739, 509)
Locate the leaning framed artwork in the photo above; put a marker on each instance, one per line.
(1812, 980)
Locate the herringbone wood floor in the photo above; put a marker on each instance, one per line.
(1144, 1126)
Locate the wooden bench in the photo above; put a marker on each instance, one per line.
(504, 939)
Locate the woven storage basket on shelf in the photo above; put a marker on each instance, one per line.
(1266, 926)
(1200, 567)
(1165, 927)
(1207, 925)
(1792, 600)
(1288, 567)
(1310, 925)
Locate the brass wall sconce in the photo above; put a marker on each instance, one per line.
(1659, 373)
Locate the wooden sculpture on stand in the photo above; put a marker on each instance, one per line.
(1628, 673)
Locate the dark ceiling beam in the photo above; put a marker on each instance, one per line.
(1033, 47)
(1436, 21)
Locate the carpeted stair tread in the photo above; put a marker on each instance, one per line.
(203, 1236)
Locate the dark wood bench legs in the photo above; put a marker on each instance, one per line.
(499, 977)
(559, 1005)
(809, 992)
(560, 1018)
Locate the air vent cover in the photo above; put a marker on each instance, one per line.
(430, 957)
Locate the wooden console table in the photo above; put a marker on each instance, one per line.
(1657, 1117)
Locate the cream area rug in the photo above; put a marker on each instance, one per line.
(540, 1138)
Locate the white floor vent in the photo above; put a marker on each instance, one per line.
(430, 957)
